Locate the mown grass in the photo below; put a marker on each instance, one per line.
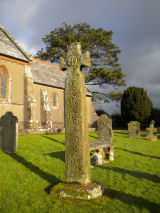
(131, 181)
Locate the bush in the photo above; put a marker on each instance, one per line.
(155, 115)
(117, 121)
(136, 106)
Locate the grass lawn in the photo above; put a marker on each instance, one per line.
(131, 181)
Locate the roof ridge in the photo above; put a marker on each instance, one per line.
(45, 62)
(15, 42)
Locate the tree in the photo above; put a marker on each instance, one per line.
(136, 105)
(105, 69)
(155, 115)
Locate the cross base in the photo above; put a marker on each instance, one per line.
(77, 191)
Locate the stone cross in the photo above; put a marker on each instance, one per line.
(151, 130)
(9, 132)
(105, 128)
(134, 129)
(77, 156)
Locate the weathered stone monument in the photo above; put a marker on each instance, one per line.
(134, 129)
(9, 132)
(77, 156)
(105, 129)
(151, 130)
(104, 145)
(76, 124)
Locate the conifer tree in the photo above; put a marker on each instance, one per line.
(105, 69)
(135, 105)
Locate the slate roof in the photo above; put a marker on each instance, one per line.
(48, 74)
(9, 47)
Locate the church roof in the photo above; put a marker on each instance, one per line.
(9, 47)
(48, 74)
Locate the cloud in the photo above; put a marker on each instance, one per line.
(135, 24)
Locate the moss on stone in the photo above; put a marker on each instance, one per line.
(77, 191)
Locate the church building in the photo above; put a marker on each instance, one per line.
(33, 90)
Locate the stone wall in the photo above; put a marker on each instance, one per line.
(17, 94)
(15, 98)
(57, 113)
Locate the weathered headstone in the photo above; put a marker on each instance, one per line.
(77, 156)
(104, 145)
(134, 129)
(9, 132)
(105, 128)
(151, 130)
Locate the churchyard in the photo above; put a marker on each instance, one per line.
(131, 181)
(77, 171)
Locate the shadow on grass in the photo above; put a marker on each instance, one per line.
(50, 178)
(60, 155)
(93, 136)
(137, 174)
(138, 153)
(129, 199)
(121, 133)
(54, 140)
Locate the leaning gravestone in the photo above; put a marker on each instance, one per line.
(105, 129)
(77, 156)
(134, 129)
(9, 132)
(151, 130)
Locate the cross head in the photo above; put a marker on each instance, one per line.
(75, 58)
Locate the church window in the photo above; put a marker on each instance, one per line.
(55, 100)
(3, 83)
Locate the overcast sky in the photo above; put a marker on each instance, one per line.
(135, 23)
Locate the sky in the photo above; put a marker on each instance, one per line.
(135, 24)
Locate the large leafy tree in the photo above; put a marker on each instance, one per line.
(136, 105)
(105, 69)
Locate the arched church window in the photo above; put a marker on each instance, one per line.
(3, 83)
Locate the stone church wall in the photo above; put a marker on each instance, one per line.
(57, 113)
(15, 92)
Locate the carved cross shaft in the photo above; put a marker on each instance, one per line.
(75, 58)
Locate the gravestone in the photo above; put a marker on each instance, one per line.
(77, 155)
(151, 130)
(9, 132)
(104, 145)
(134, 129)
(105, 129)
